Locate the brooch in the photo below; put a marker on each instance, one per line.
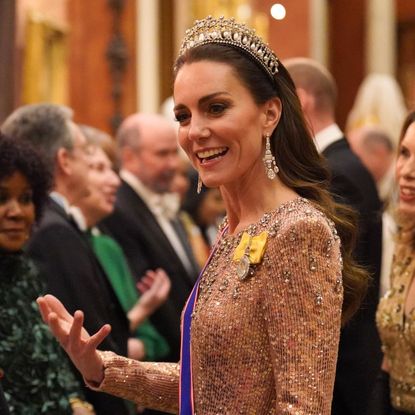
(250, 251)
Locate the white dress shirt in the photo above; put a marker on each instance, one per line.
(164, 207)
(61, 200)
(327, 136)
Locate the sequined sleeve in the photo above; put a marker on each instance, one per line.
(151, 385)
(303, 299)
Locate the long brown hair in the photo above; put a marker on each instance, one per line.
(301, 167)
(410, 118)
(404, 223)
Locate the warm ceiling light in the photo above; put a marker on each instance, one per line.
(278, 11)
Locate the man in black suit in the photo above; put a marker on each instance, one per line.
(359, 351)
(60, 250)
(145, 218)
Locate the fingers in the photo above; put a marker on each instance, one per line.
(162, 274)
(160, 278)
(149, 277)
(48, 304)
(60, 332)
(165, 278)
(141, 287)
(79, 339)
(163, 283)
(99, 336)
(56, 306)
(146, 281)
(155, 283)
(76, 329)
(43, 309)
(74, 338)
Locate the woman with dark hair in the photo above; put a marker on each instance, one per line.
(396, 310)
(260, 330)
(36, 377)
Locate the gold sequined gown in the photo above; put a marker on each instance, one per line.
(264, 345)
(397, 331)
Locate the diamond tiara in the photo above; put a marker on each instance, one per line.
(229, 32)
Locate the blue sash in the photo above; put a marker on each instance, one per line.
(186, 403)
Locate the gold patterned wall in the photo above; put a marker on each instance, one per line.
(45, 76)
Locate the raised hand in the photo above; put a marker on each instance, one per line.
(154, 287)
(78, 344)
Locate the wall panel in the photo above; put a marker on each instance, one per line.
(288, 37)
(347, 45)
(91, 84)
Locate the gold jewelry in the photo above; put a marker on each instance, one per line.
(229, 32)
(242, 270)
(250, 251)
(78, 403)
(271, 167)
(199, 184)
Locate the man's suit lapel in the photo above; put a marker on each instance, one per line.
(59, 210)
(144, 218)
(338, 144)
(141, 214)
(181, 233)
(83, 239)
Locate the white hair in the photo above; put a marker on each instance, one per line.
(379, 102)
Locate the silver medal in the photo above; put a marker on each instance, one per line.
(243, 267)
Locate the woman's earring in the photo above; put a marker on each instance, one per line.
(199, 184)
(271, 167)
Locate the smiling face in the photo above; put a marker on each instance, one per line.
(17, 212)
(405, 172)
(81, 160)
(221, 127)
(103, 184)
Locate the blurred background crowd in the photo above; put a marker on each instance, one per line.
(109, 58)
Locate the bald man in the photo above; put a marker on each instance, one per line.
(359, 351)
(375, 148)
(145, 218)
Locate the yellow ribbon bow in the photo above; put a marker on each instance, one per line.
(251, 246)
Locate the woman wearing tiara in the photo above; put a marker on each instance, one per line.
(261, 328)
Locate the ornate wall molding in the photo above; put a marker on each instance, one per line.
(117, 56)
